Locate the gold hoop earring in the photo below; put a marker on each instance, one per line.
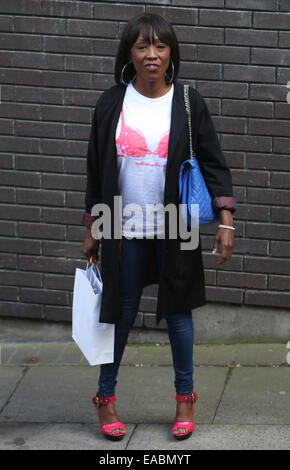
(172, 75)
(122, 75)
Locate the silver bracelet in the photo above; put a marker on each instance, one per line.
(227, 226)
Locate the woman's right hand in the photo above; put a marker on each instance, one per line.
(90, 246)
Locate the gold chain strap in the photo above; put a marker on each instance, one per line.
(187, 106)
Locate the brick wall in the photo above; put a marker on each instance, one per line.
(56, 58)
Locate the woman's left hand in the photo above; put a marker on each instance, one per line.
(225, 237)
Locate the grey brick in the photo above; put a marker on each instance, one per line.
(225, 18)
(269, 231)
(13, 245)
(107, 47)
(89, 64)
(27, 162)
(76, 131)
(20, 76)
(76, 233)
(56, 181)
(210, 277)
(19, 212)
(75, 165)
(199, 3)
(280, 180)
(39, 25)
(7, 194)
(268, 161)
(13, 6)
(245, 142)
(253, 4)
(224, 54)
(68, 45)
(267, 92)
(284, 5)
(38, 129)
(6, 22)
(281, 214)
(21, 41)
(7, 228)
(51, 281)
(224, 295)
(279, 283)
(67, 249)
(39, 230)
(251, 212)
(232, 279)
(20, 178)
(47, 198)
(281, 145)
(280, 249)
(107, 11)
(247, 108)
(284, 39)
(21, 111)
(188, 51)
(64, 79)
(223, 89)
(283, 77)
(8, 293)
(6, 161)
(271, 20)
(269, 127)
(6, 126)
(66, 9)
(233, 264)
(249, 73)
(229, 125)
(270, 56)
(39, 60)
(251, 37)
(64, 147)
(81, 97)
(21, 310)
(55, 313)
(64, 216)
(235, 159)
(199, 35)
(48, 264)
(33, 94)
(106, 29)
(269, 196)
(8, 261)
(269, 299)
(74, 200)
(103, 82)
(250, 246)
(198, 70)
(175, 15)
(266, 265)
(6, 58)
(55, 297)
(21, 278)
(66, 114)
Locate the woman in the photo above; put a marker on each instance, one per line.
(138, 140)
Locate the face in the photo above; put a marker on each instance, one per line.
(150, 60)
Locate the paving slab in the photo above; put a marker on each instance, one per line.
(63, 394)
(61, 436)
(256, 395)
(9, 378)
(212, 437)
(68, 353)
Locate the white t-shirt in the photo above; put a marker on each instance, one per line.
(142, 137)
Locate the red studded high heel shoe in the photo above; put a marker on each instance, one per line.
(188, 425)
(108, 428)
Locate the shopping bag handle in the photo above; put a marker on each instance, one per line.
(91, 261)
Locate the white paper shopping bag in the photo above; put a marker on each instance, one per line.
(95, 340)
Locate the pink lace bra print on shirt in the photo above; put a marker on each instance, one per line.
(132, 143)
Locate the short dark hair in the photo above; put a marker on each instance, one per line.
(149, 24)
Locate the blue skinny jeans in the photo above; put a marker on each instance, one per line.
(135, 254)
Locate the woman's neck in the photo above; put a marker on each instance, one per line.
(151, 89)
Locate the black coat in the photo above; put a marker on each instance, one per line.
(181, 282)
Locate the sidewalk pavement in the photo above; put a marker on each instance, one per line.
(47, 387)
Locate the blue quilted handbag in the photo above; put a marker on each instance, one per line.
(192, 187)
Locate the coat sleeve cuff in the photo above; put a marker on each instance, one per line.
(224, 202)
(88, 219)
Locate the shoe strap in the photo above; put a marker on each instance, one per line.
(99, 401)
(192, 397)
